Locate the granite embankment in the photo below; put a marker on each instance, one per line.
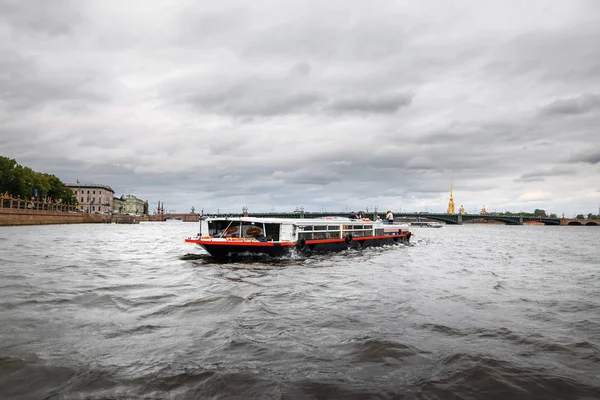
(16, 216)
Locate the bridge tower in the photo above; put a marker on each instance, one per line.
(451, 202)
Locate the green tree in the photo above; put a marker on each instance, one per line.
(580, 216)
(553, 216)
(9, 176)
(539, 213)
(22, 181)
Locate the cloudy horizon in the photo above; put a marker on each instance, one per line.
(335, 106)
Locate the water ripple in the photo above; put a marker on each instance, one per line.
(127, 312)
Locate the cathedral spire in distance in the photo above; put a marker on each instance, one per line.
(451, 202)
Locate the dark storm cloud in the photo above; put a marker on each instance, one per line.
(583, 104)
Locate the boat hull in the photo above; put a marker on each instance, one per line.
(227, 249)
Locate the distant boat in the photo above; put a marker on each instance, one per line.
(426, 224)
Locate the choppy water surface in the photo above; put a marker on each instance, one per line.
(131, 311)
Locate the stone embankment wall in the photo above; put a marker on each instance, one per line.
(15, 216)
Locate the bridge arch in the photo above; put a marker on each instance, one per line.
(591, 223)
(577, 223)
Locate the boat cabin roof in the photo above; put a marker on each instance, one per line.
(296, 221)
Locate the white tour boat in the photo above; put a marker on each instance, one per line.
(225, 237)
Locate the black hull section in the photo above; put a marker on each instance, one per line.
(354, 244)
(225, 251)
(231, 251)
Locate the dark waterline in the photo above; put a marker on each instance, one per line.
(130, 311)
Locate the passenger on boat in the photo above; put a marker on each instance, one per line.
(389, 216)
(353, 215)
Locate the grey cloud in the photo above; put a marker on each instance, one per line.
(52, 18)
(539, 176)
(532, 56)
(300, 70)
(583, 104)
(307, 176)
(377, 104)
(24, 84)
(253, 97)
(588, 157)
(368, 38)
(270, 97)
(473, 135)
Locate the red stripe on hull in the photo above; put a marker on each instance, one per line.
(240, 243)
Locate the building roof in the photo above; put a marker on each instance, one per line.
(89, 186)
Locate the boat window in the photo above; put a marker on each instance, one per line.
(305, 228)
(333, 228)
(320, 228)
(224, 228)
(252, 230)
(320, 235)
(272, 231)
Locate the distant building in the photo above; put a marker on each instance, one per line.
(483, 210)
(119, 204)
(93, 197)
(130, 205)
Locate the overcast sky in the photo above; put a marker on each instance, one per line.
(327, 105)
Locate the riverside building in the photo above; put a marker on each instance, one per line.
(93, 197)
(130, 204)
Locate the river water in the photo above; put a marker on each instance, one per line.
(131, 311)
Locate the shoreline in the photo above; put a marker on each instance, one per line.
(16, 217)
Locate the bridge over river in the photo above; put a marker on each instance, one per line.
(453, 219)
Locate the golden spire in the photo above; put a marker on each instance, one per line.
(451, 202)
